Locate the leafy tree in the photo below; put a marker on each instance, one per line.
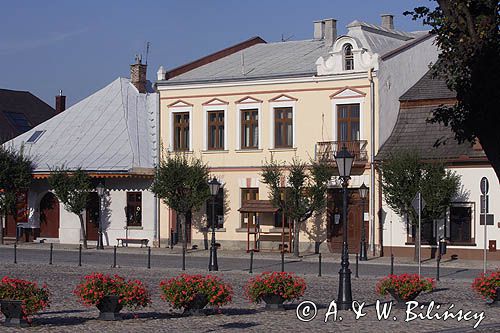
(303, 192)
(72, 188)
(15, 175)
(404, 174)
(467, 33)
(182, 184)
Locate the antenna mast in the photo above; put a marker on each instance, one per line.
(147, 51)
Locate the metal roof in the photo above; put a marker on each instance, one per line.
(112, 130)
(428, 88)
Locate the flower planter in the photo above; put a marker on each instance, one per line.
(399, 301)
(274, 302)
(110, 308)
(196, 306)
(496, 300)
(13, 313)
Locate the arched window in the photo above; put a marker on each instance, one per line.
(348, 58)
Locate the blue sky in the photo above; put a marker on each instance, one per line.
(80, 46)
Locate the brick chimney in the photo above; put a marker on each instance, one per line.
(388, 21)
(60, 102)
(138, 74)
(326, 29)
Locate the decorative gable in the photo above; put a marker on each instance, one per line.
(179, 104)
(248, 100)
(348, 92)
(215, 101)
(283, 98)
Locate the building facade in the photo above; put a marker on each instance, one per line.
(240, 107)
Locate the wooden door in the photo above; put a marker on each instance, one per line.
(92, 217)
(49, 216)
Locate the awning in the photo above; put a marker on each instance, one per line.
(258, 206)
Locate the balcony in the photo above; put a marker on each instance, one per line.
(326, 151)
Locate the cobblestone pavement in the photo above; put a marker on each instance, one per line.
(67, 315)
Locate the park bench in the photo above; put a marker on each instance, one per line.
(126, 241)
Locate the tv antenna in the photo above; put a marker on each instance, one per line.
(283, 39)
(147, 51)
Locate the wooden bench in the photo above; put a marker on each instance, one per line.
(126, 241)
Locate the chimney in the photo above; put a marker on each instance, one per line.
(388, 21)
(319, 29)
(330, 31)
(60, 102)
(138, 74)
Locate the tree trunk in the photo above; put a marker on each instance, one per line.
(2, 217)
(296, 238)
(84, 232)
(184, 232)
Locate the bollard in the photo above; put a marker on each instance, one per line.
(251, 262)
(80, 255)
(357, 266)
(437, 271)
(15, 253)
(183, 258)
(149, 257)
(319, 264)
(50, 256)
(282, 261)
(114, 256)
(392, 264)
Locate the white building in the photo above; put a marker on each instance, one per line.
(112, 135)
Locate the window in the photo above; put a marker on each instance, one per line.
(248, 194)
(35, 136)
(219, 210)
(134, 209)
(181, 131)
(249, 129)
(461, 223)
(348, 58)
(283, 127)
(19, 121)
(215, 130)
(348, 122)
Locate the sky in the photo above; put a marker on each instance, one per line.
(81, 46)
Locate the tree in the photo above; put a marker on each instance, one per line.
(182, 184)
(302, 192)
(15, 175)
(404, 174)
(467, 33)
(72, 188)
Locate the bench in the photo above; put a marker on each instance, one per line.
(126, 241)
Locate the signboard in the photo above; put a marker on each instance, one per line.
(490, 218)
(484, 185)
(484, 199)
(414, 203)
(21, 207)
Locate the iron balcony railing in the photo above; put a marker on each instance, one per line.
(326, 150)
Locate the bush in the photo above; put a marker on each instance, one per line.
(94, 287)
(183, 289)
(485, 285)
(284, 284)
(34, 298)
(405, 285)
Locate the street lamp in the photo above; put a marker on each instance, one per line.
(344, 161)
(363, 193)
(100, 192)
(214, 190)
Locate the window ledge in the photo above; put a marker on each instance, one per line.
(283, 149)
(134, 228)
(181, 151)
(248, 150)
(208, 151)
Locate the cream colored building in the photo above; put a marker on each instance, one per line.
(241, 106)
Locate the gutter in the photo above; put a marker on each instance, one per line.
(372, 160)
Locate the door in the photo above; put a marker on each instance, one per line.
(354, 218)
(49, 216)
(92, 217)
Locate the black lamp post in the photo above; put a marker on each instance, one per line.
(363, 193)
(100, 192)
(214, 190)
(344, 161)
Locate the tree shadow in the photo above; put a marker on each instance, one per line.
(152, 315)
(239, 325)
(316, 229)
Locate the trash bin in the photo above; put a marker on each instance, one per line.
(442, 246)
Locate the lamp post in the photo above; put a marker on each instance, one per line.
(344, 161)
(2, 215)
(214, 190)
(100, 192)
(363, 193)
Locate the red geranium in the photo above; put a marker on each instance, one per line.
(405, 285)
(284, 284)
(33, 297)
(486, 285)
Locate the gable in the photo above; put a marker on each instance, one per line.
(348, 92)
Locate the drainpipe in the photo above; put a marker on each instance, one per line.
(158, 158)
(372, 160)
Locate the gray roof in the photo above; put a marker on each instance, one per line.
(428, 88)
(112, 130)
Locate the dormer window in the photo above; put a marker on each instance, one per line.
(348, 58)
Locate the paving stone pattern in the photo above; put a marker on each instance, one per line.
(66, 314)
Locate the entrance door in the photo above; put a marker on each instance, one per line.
(49, 216)
(354, 218)
(92, 217)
